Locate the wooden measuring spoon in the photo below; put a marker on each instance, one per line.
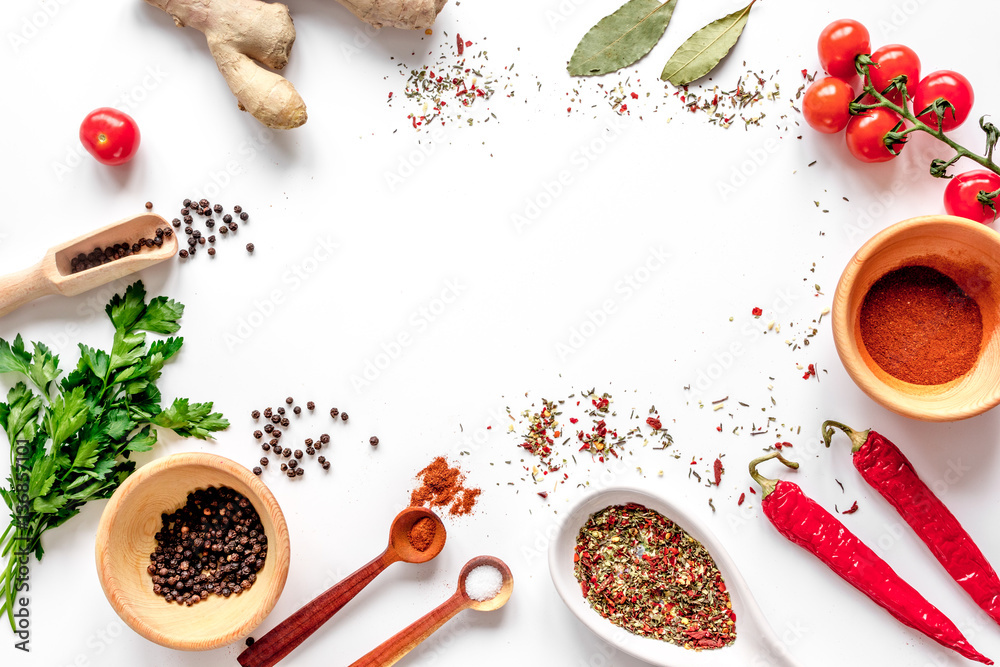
(294, 630)
(53, 275)
(390, 651)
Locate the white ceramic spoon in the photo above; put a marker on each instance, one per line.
(756, 644)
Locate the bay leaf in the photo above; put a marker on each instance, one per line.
(621, 38)
(702, 51)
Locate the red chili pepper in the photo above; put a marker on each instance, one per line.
(889, 472)
(802, 521)
(654, 423)
(461, 45)
(717, 470)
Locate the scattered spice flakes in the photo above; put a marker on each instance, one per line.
(717, 470)
(852, 509)
(448, 90)
(643, 573)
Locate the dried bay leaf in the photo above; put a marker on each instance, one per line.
(702, 51)
(621, 38)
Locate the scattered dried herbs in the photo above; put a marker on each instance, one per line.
(643, 573)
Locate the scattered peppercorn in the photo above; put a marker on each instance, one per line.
(310, 405)
(250, 249)
(373, 441)
(263, 461)
(268, 428)
(310, 451)
(326, 465)
(298, 453)
(258, 435)
(343, 415)
(297, 410)
(267, 412)
(211, 251)
(255, 414)
(149, 206)
(257, 470)
(249, 641)
(334, 412)
(324, 438)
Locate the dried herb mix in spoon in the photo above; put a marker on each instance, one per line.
(642, 572)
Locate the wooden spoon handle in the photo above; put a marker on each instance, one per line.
(294, 630)
(407, 639)
(17, 289)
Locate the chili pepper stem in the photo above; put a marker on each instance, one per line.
(858, 438)
(767, 485)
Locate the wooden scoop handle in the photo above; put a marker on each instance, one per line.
(17, 289)
(295, 629)
(407, 639)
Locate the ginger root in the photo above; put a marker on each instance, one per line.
(240, 32)
(407, 14)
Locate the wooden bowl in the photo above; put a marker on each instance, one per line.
(968, 253)
(125, 538)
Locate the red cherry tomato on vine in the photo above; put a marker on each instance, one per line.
(839, 44)
(960, 195)
(951, 86)
(866, 135)
(110, 135)
(894, 60)
(826, 106)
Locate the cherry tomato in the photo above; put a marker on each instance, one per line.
(866, 133)
(839, 44)
(893, 60)
(826, 106)
(110, 135)
(951, 86)
(960, 195)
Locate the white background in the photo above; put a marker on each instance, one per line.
(649, 186)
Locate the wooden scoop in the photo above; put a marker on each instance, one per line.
(410, 637)
(54, 274)
(294, 630)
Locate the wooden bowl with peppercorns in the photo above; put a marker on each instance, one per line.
(183, 489)
(915, 318)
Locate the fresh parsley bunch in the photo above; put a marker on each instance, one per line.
(70, 440)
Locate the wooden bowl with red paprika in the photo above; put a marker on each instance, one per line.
(915, 318)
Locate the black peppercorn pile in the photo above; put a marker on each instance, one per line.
(272, 443)
(97, 256)
(196, 238)
(215, 544)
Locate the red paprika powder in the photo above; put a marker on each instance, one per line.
(920, 327)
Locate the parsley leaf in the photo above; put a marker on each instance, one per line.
(70, 440)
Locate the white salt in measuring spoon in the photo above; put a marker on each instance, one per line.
(389, 652)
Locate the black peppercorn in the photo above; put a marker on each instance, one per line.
(275, 419)
(324, 438)
(267, 412)
(268, 428)
(223, 229)
(249, 247)
(285, 422)
(217, 208)
(309, 442)
(257, 470)
(187, 202)
(211, 239)
(276, 433)
(281, 411)
(255, 414)
(326, 465)
(321, 459)
(244, 216)
(237, 209)
(227, 218)
(183, 253)
(266, 446)
(310, 405)
(289, 400)
(258, 435)
(297, 410)
(211, 251)
(232, 226)
(310, 451)
(373, 441)
(284, 467)
(299, 472)
(263, 461)
(334, 412)
(298, 453)
(343, 415)
(273, 442)
(175, 222)
(149, 206)
(293, 463)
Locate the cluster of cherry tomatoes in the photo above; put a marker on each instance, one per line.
(826, 106)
